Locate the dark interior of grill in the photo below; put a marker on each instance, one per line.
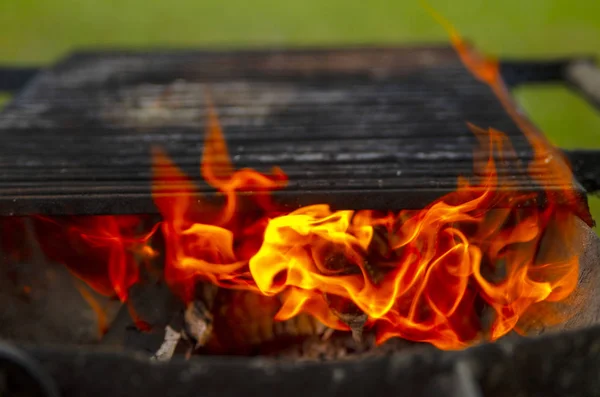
(356, 128)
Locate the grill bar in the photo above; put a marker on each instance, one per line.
(376, 128)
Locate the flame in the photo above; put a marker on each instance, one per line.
(421, 275)
(199, 234)
(96, 249)
(486, 69)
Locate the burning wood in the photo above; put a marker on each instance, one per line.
(198, 316)
(244, 323)
(349, 314)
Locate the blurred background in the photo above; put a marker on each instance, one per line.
(39, 32)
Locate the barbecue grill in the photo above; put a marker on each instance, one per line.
(356, 128)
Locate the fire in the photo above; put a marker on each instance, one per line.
(97, 249)
(207, 240)
(466, 268)
(426, 275)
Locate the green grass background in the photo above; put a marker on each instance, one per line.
(41, 31)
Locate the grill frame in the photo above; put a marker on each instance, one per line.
(504, 368)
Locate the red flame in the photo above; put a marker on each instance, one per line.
(96, 249)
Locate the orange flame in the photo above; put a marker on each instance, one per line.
(200, 234)
(426, 279)
(486, 69)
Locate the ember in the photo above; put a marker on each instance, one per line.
(471, 266)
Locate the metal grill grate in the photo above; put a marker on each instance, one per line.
(355, 128)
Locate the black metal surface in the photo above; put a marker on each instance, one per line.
(552, 365)
(20, 375)
(586, 168)
(515, 73)
(581, 74)
(14, 78)
(355, 128)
